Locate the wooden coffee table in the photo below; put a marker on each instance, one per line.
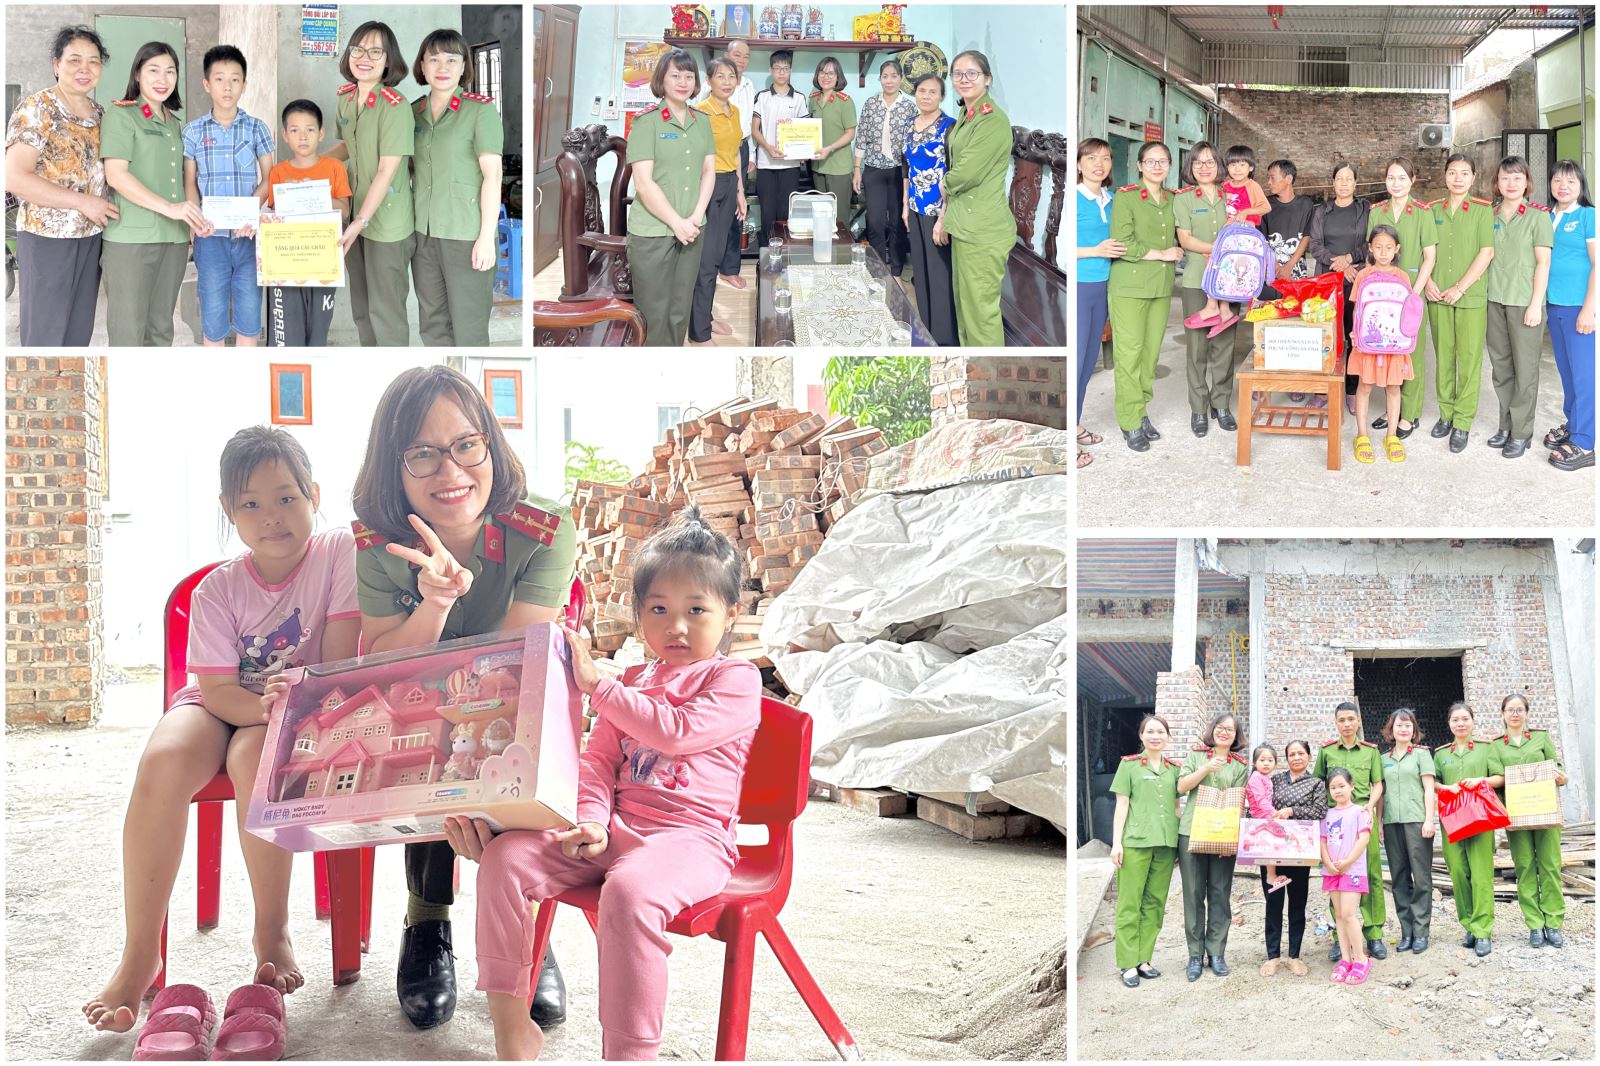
(1268, 417)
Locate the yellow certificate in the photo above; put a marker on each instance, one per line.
(1531, 797)
(1213, 825)
(800, 138)
(299, 251)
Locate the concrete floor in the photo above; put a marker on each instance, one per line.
(1187, 481)
(892, 916)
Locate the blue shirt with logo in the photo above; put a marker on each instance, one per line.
(1569, 258)
(1094, 226)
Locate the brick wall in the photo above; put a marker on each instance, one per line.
(1315, 130)
(54, 485)
(1027, 389)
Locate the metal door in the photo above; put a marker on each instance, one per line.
(1538, 148)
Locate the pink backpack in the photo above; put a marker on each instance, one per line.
(1240, 265)
(1388, 315)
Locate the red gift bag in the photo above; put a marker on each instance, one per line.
(1467, 810)
(1330, 287)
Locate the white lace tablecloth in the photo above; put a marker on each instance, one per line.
(842, 307)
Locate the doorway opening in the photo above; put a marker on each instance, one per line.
(1428, 684)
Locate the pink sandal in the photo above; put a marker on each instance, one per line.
(252, 1026)
(178, 1027)
(1358, 973)
(1200, 319)
(1226, 322)
(1340, 972)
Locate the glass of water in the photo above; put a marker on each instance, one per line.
(858, 256)
(776, 260)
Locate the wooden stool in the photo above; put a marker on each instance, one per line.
(1297, 421)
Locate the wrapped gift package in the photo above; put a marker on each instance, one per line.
(1467, 810)
(379, 749)
(1280, 842)
(1294, 344)
(1215, 828)
(1531, 800)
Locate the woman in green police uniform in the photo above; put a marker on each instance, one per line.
(1470, 861)
(1414, 221)
(834, 168)
(146, 247)
(1410, 823)
(976, 221)
(1518, 277)
(1535, 853)
(456, 195)
(1139, 293)
(1360, 757)
(376, 134)
(1199, 214)
(1458, 300)
(449, 544)
(674, 158)
(1144, 844)
(1208, 879)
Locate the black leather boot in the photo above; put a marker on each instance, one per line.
(426, 978)
(549, 1007)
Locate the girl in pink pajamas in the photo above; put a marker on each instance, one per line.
(658, 792)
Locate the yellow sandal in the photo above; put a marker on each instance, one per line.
(1364, 450)
(1395, 450)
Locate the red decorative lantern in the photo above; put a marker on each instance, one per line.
(1274, 12)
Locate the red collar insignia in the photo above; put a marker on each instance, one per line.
(666, 114)
(455, 103)
(494, 543)
(372, 99)
(144, 109)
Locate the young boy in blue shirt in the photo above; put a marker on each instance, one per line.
(227, 152)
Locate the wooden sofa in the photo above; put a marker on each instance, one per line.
(1033, 296)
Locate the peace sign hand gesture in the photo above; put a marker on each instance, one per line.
(441, 580)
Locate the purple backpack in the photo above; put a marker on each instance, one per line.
(1388, 315)
(1240, 265)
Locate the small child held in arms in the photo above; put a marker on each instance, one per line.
(1375, 370)
(1243, 200)
(658, 798)
(299, 316)
(1345, 831)
(1258, 796)
(290, 600)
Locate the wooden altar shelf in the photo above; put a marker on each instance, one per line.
(866, 51)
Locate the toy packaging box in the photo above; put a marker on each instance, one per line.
(379, 749)
(1279, 842)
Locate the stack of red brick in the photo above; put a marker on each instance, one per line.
(770, 478)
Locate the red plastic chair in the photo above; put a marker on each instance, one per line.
(774, 794)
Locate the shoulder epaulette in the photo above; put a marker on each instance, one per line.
(1442, 747)
(1480, 203)
(347, 89)
(1186, 188)
(841, 94)
(1425, 205)
(1200, 747)
(392, 96)
(1234, 756)
(1170, 761)
(530, 521)
(365, 537)
(1128, 188)
(1539, 207)
(125, 103)
(817, 92)
(1367, 744)
(477, 98)
(1504, 738)
(1330, 743)
(1130, 758)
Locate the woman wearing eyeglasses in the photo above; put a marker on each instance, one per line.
(449, 543)
(976, 220)
(376, 133)
(1139, 293)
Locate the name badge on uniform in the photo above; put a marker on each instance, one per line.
(1202, 211)
(669, 136)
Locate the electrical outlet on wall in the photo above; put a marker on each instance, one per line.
(611, 110)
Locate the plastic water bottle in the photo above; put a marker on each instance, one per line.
(822, 233)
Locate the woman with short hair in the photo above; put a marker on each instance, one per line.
(921, 205)
(1410, 822)
(1339, 244)
(880, 165)
(833, 169)
(1208, 879)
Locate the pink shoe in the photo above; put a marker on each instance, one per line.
(179, 1025)
(1358, 973)
(1340, 973)
(1200, 319)
(1227, 321)
(252, 1025)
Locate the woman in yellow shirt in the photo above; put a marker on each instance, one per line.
(727, 195)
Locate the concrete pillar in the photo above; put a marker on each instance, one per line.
(1568, 591)
(1185, 604)
(253, 29)
(767, 376)
(1258, 646)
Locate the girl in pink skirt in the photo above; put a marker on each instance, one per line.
(1345, 830)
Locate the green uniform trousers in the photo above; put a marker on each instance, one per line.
(1137, 327)
(1207, 909)
(977, 269)
(142, 285)
(1536, 854)
(1411, 870)
(378, 274)
(1458, 334)
(1210, 361)
(1142, 884)
(1471, 864)
(1514, 364)
(1411, 391)
(664, 274)
(453, 300)
(1372, 909)
(842, 186)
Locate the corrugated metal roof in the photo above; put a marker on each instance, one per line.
(1122, 669)
(1113, 567)
(1403, 27)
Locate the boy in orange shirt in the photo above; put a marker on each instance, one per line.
(299, 317)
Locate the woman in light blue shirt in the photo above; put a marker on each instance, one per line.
(1096, 250)
(1570, 299)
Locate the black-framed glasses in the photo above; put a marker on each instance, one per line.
(424, 460)
(357, 52)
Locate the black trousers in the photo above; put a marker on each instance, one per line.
(931, 281)
(730, 254)
(1295, 891)
(774, 187)
(1351, 381)
(881, 189)
(299, 317)
(723, 205)
(58, 283)
(431, 870)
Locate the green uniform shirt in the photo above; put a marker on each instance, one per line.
(838, 113)
(1230, 776)
(373, 127)
(1461, 237)
(1476, 758)
(1363, 762)
(1416, 229)
(1404, 799)
(978, 147)
(1535, 747)
(1142, 222)
(447, 182)
(678, 152)
(1203, 219)
(524, 556)
(1511, 269)
(153, 146)
(1152, 793)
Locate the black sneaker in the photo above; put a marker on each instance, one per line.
(1440, 429)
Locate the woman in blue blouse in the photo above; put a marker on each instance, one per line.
(1096, 250)
(920, 208)
(1571, 316)
(880, 171)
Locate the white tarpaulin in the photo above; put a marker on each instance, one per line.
(928, 638)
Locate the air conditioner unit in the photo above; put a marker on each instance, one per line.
(1435, 135)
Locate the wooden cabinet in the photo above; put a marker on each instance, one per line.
(555, 41)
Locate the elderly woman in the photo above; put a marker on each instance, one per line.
(880, 172)
(921, 206)
(1296, 793)
(1339, 243)
(53, 167)
(1208, 879)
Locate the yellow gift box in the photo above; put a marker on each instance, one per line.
(1532, 797)
(1213, 825)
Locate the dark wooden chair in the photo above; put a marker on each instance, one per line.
(1033, 296)
(610, 323)
(594, 257)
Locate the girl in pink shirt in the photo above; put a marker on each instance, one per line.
(658, 795)
(1345, 830)
(1258, 797)
(1243, 200)
(288, 601)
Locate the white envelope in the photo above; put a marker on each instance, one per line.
(230, 212)
(302, 197)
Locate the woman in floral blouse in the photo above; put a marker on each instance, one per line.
(880, 137)
(921, 205)
(1296, 793)
(53, 167)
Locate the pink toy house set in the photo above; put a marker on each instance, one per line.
(379, 749)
